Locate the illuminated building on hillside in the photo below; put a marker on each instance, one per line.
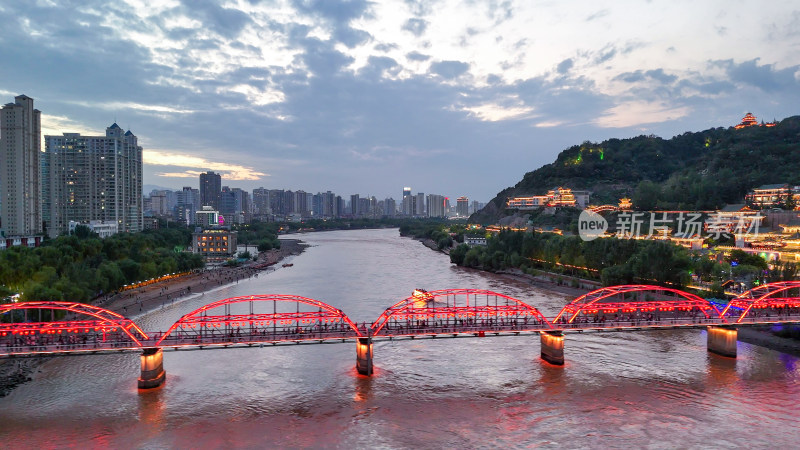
(559, 196)
(749, 120)
(625, 204)
(772, 194)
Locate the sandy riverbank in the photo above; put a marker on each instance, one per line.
(157, 295)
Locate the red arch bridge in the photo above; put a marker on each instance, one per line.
(62, 328)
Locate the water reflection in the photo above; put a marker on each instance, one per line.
(618, 389)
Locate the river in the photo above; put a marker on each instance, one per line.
(657, 389)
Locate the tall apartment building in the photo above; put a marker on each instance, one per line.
(462, 206)
(436, 205)
(210, 189)
(87, 178)
(261, 201)
(419, 205)
(20, 139)
(389, 207)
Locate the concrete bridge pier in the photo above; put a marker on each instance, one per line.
(553, 347)
(722, 341)
(153, 374)
(364, 356)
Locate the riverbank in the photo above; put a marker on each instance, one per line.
(14, 372)
(161, 294)
(575, 287)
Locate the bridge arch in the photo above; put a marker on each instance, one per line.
(761, 297)
(453, 308)
(601, 301)
(101, 319)
(299, 318)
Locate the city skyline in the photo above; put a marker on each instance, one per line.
(442, 96)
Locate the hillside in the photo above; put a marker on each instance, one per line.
(695, 170)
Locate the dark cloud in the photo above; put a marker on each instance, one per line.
(416, 27)
(765, 77)
(377, 66)
(639, 75)
(351, 37)
(417, 56)
(564, 66)
(227, 22)
(386, 47)
(340, 12)
(449, 69)
(658, 74)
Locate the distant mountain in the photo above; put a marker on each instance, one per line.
(701, 170)
(148, 188)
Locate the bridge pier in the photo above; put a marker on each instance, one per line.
(153, 374)
(553, 347)
(722, 341)
(364, 356)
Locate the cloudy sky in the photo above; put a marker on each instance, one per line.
(448, 97)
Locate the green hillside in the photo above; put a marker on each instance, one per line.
(701, 170)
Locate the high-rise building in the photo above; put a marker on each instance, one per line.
(406, 202)
(187, 203)
(419, 208)
(436, 205)
(462, 206)
(389, 207)
(210, 189)
(20, 138)
(87, 178)
(354, 206)
(261, 201)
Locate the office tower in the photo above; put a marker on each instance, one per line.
(462, 206)
(87, 178)
(210, 189)
(406, 202)
(20, 138)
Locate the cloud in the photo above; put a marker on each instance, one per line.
(415, 26)
(195, 165)
(417, 56)
(449, 69)
(639, 113)
(492, 112)
(564, 66)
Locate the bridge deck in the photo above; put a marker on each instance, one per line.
(263, 339)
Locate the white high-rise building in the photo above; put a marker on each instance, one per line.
(20, 139)
(87, 178)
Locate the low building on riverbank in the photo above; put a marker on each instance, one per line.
(215, 244)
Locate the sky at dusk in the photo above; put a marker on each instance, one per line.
(448, 97)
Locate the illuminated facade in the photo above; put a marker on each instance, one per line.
(749, 120)
(87, 178)
(772, 195)
(625, 204)
(559, 196)
(220, 244)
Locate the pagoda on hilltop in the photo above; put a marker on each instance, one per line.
(749, 120)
